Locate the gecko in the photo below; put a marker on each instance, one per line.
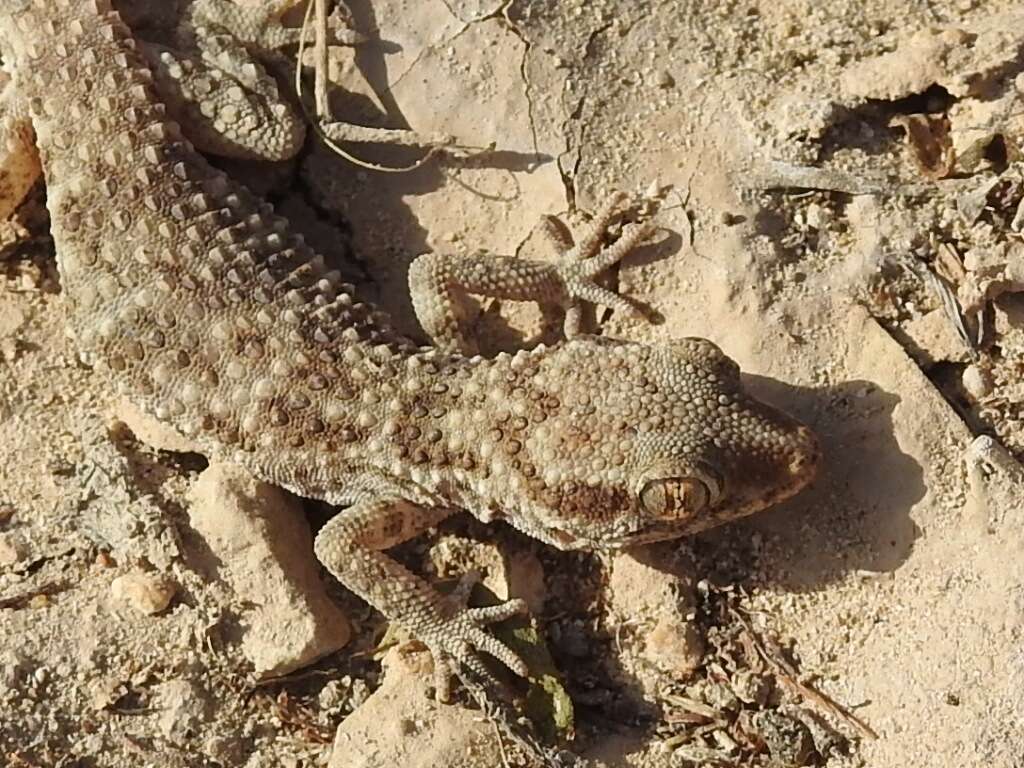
(192, 298)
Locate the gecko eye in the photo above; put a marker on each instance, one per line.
(675, 497)
(680, 498)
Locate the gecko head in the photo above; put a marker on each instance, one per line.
(714, 453)
(656, 442)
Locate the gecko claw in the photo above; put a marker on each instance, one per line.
(457, 642)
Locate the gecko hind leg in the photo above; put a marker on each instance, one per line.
(350, 546)
(20, 166)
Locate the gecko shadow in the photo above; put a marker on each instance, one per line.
(855, 517)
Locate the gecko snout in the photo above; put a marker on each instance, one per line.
(806, 453)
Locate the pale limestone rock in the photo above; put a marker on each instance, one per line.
(12, 549)
(526, 580)
(650, 596)
(401, 724)
(977, 382)
(933, 338)
(508, 574)
(958, 59)
(183, 708)
(260, 536)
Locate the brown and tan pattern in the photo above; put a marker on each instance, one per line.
(212, 315)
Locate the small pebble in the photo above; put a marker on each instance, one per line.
(817, 217)
(104, 560)
(10, 670)
(332, 694)
(148, 593)
(12, 549)
(977, 383)
(665, 80)
(750, 687)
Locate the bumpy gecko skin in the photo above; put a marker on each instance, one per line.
(210, 73)
(202, 306)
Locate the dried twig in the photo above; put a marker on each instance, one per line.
(501, 740)
(320, 92)
(505, 718)
(945, 294)
(293, 677)
(780, 175)
(786, 674)
(321, 109)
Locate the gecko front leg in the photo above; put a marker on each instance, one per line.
(441, 284)
(350, 546)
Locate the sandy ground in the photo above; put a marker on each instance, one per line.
(833, 177)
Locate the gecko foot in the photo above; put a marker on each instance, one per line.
(583, 261)
(455, 641)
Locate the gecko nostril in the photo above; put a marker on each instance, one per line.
(798, 463)
(805, 457)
